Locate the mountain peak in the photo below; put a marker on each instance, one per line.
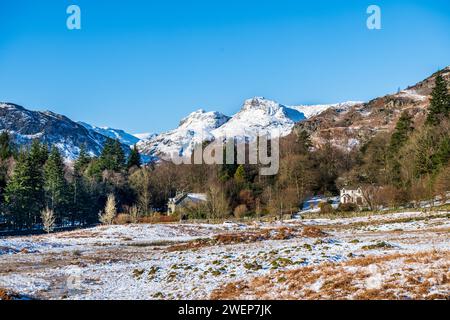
(260, 103)
(200, 118)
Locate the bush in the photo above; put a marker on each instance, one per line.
(159, 218)
(123, 218)
(240, 211)
(134, 214)
(325, 207)
(348, 207)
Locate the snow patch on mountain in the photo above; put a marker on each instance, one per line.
(314, 110)
(116, 134)
(145, 135)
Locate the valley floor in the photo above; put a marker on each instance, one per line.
(389, 256)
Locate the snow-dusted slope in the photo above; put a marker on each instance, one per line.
(194, 129)
(314, 110)
(116, 134)
(145, 136)
(50, 128)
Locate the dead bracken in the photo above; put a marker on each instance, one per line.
(282, 233)
(425, 277)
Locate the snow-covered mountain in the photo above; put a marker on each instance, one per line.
(50, 128)
(192, 130)
(116, 134)
(257, 116)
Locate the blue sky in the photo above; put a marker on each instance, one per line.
(143, 65)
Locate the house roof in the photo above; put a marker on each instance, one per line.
(194, 197)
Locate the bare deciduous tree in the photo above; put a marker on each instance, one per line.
(217, 203)
(48, 219)
(108, 216)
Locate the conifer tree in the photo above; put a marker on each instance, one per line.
(134, 160)
(6, 152)
(112, 157)
(82, 161)
(440, 102)
(442, 156)
(6, 146)
(82, 207)
(55, 184)
(24, 194)
(400, 136)
(401, 133)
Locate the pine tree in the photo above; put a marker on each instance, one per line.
(6, 146)
(112, 157)
(119, 156)
(134, 160)
(81, 202)
(440, 102)
(401, 133)
(38, 153)
(442, 156)
(399, 138)
(55, 184)
(6, 152)
(82, 161)
(24, 194)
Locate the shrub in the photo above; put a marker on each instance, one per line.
(134, 214)
(240, 211)
(348, 207)
(325, 207)
(123, 218)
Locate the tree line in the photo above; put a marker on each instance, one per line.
(35, 182)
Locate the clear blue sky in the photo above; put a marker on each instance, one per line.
(143, 65)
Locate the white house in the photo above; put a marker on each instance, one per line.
(352, 196)
(183, 199)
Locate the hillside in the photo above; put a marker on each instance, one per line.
(353, 126)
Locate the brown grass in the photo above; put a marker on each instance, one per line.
(313, 232)
(282, 233)
(5, 295)
(158, 218)
(400, 280)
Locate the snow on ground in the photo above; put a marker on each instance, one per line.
(150, 261)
